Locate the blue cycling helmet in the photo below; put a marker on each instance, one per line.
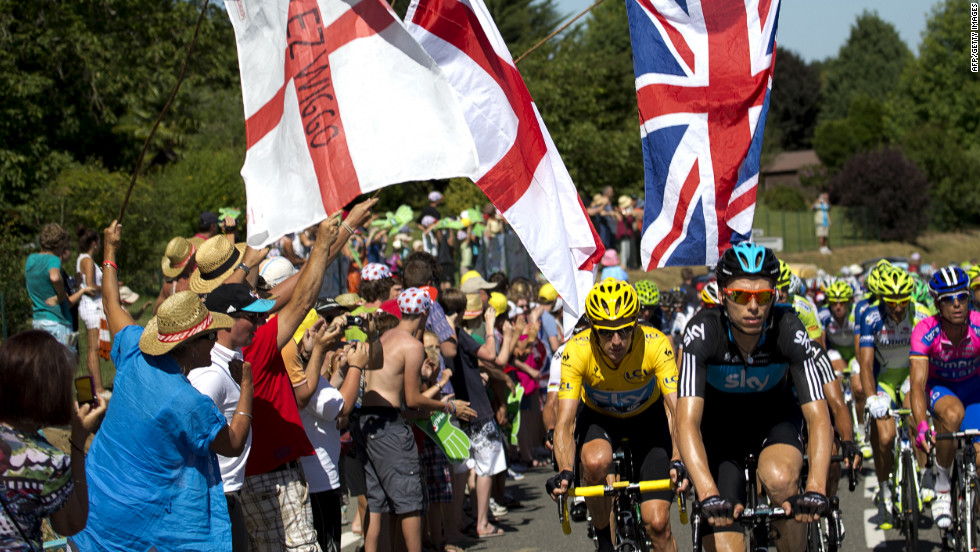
(949, 279)
(747, 259)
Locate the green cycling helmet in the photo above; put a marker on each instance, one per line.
(648, 293)
(873, 281)
(973, 273)
(921, 290)
(839, 291)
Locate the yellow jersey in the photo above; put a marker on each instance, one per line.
(646, 373)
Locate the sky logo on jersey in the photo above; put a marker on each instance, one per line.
(621, 401)
(693, 332)
(739, 379)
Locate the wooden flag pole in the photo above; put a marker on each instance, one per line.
(558, 30)
(166, 107)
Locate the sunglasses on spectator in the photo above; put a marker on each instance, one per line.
(950, 298)
(623, 333)
(209, 336)
(253, 317)
(745, 296)
(897, 302)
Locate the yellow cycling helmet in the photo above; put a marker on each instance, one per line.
(785, 275)
(839, 291)
(612, 304)
(973, 273)
(896, 283)
(709, 294)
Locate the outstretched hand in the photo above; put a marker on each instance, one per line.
(112, 236)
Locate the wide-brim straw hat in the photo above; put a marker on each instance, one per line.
(216, 259)
(179, 318)
(178, 255)
(474, 307)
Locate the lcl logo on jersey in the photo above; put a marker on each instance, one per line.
(639, 373)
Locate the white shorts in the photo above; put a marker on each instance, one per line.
(487, 455)
(90, 311)
(833, 354)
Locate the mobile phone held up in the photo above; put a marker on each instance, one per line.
(85, 391)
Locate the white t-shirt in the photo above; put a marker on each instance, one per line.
(320, 421)
(216, 382)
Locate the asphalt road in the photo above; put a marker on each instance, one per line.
(534, 527)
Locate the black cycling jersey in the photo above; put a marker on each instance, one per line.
(712, 366)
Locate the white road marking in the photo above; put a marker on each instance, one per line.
(873, 536)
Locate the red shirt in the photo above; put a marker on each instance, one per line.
(277, 432)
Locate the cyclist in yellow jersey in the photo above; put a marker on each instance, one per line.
(625, 375)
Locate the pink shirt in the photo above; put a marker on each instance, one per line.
(947, 363)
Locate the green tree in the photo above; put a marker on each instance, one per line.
(862, 130)
(938, 87)
(869, 63)
(795, 100)
(952, 172)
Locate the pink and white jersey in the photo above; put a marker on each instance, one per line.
(947, 363)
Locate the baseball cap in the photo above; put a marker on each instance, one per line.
(548, 293)
(475, 283)
(232, 298)
(414, 301)
(435, 196)
(274, 271)
(499, 303)
(208, 218)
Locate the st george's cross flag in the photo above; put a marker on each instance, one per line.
(339, 101)
(703, 76)
(520, 168)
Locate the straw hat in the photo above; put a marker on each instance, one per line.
(474, 307)
(179, 253)
(216, 259)
(349, 300)
(180, 317)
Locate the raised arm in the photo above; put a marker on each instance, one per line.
(117, 317)
(230, 441)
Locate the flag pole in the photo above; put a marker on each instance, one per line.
(558, 30)
(166, 107)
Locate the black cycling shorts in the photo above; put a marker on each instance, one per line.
(726, 459)
(649, 441)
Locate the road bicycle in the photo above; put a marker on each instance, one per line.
(823, 535)
(907, 506)
(963, 534)
(629, 531)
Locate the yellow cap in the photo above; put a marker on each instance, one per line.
(548, 293)
(499, 303)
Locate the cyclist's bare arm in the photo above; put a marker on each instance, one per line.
(866, 359)
(565, 439)
(689, 411)
(821, 436)
(918, 375)
(842, 415)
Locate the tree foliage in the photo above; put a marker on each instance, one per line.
(938, 88)
(862, 130)
(795, 100)
(869, 64)
(888, 186)
(952, 172)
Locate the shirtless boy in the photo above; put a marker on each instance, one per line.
(392, 471)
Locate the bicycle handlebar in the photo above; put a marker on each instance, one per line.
(968, 434)
(622, 487)
(750, 515)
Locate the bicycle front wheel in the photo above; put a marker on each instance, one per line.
(910, 502)
(814, 539)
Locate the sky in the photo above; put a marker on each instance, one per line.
(816, 29)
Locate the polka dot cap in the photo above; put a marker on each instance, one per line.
(374, 271)
(414, 301)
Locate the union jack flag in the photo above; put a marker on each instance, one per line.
(703, 76)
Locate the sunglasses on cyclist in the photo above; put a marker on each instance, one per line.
(832, 303)
(745, 296)
(951, 298)
(623, 333)
(896, 302)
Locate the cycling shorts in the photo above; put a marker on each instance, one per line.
(895, 383)
(649, 441)
(726, 459)
(967, 391)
